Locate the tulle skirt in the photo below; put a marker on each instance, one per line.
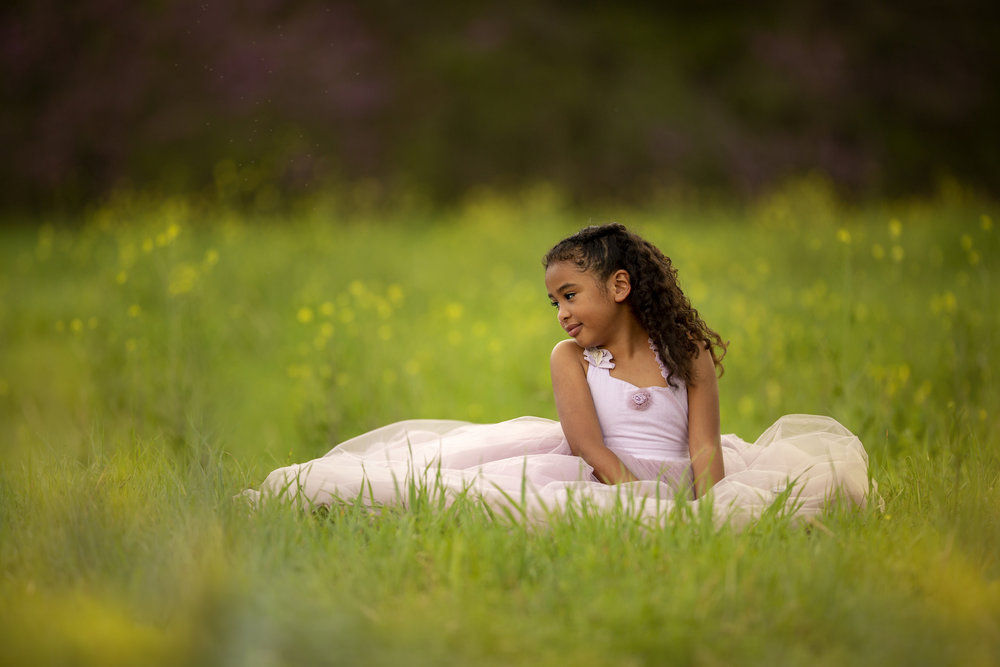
(524, 467)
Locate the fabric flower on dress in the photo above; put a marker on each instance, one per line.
(640, 400)
(599, 357)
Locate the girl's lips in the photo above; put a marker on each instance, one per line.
(574, 330)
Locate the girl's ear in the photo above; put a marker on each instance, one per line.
(620, 285)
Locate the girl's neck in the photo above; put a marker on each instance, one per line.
(629, 339)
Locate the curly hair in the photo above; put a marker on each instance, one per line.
(656, 298)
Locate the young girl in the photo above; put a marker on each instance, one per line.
(636, 392)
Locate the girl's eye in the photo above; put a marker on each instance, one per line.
(570, 295)
(554, 304)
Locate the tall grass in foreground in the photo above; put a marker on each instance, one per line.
(155, 360)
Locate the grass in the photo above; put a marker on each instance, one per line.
(155, 359)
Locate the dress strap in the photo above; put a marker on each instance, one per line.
(659, 362)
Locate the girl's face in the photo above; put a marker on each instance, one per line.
(586, 308)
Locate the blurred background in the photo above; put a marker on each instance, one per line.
(234, 233)
(251, 102)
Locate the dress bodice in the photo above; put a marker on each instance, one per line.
(643, 422)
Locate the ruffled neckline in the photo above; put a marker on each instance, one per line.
(598, 357)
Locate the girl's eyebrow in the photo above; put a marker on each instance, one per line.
(564, 287)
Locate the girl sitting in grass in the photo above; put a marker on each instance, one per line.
(637, 397)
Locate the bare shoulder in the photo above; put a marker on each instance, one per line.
(702, 365)
(567, 355)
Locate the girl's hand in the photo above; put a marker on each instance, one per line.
(578, 416)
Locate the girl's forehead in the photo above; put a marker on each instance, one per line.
(558, 273)
(563, 268)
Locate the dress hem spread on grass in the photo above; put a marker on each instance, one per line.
(524, 466)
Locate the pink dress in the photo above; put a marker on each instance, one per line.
(525, 467)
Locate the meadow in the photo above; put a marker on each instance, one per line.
(157, 357)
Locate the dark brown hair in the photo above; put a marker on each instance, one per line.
(664, 312)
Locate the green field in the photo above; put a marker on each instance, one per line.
(156, 358)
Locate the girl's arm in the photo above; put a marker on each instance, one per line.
(704, 438)
(578, 416)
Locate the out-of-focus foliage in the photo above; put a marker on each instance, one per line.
(252, 100)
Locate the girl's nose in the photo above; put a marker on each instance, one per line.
(563, 313)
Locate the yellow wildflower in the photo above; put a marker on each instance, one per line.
(773, 389)
(922, 392)
(950, 302)
(183, 279)
(305, 315)
(946, 303)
